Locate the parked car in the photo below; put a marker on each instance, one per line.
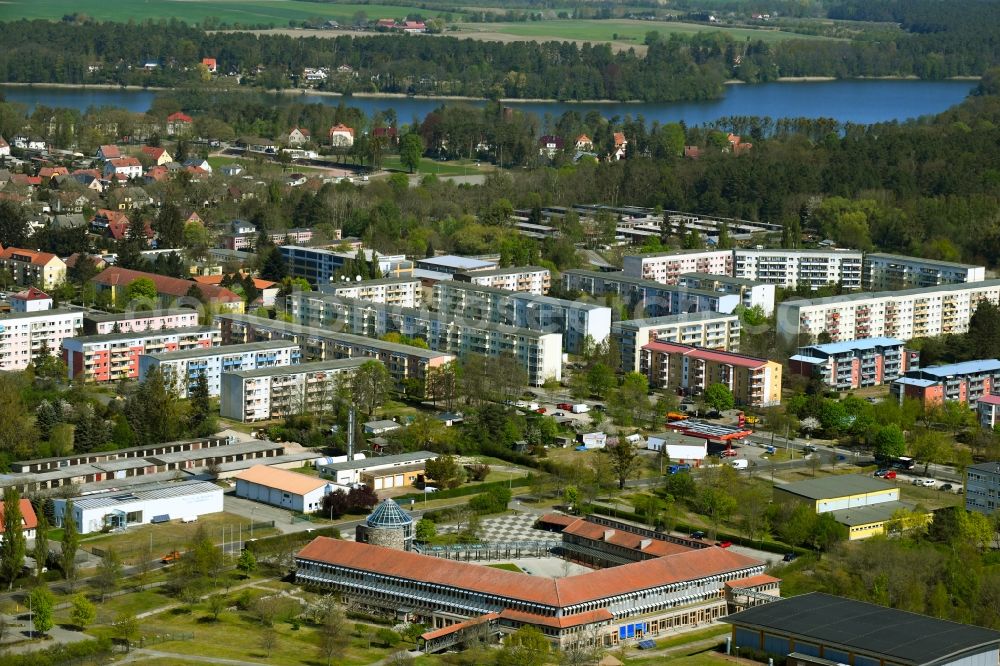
(540, 410)
(927, 483)
(890, 474)
(789, 557)
(676, 469)
(697, 534)
(946, 486)
(558, 414)
(729, 453)
(881, 473)
(724, 544)
(809, 448)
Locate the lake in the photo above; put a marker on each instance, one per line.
(863, 102)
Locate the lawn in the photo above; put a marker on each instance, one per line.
(173, 535)
(615, 30)
(507, 566)
(435, 167)
(242, 639)
(245, 12)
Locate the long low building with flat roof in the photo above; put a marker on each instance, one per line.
(379, 473)
(141, 505)
(825, 629)
(604, 607)
(863, 504)
(530, 279)
(318, 344)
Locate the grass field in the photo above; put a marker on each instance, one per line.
(606, 31)
(245, 12)
(507, 566)
(434, 167)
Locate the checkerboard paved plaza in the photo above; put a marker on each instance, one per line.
(510, 527)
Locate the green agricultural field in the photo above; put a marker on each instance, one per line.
(606, 31)
(246, 12)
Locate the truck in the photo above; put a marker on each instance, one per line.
(580, 408)
(677, 469)
(740, 463)
(172, 556)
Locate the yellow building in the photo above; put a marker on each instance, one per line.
(862, 504)
(754, 382)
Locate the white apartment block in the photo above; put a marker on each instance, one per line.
(647, 298)
(271, 393)
(404, 292)
(904, 315)
(539, 353)
(711, 330)
(103, 323)
(667, 267)
(529, 279)
(795, 268)
(576, 321)
(884, 272)
(318, 266)
(23, 335)
(183, 367)
(115, 356)
(752, 294)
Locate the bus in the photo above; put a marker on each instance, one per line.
(904, 463)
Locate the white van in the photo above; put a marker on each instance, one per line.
(740, 463)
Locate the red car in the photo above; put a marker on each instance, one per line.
(540, 410)
(724, 544)
(564, 405)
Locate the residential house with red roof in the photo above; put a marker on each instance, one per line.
(48, 173)
(31, 299)
(29, 267)
(210, 64)
(116, 279)
(621, 146)
(584, 143)
(341, 136)
(108, 152)
(4, 148)
(754, 382)
(159, 156)
(178, 123)
(29, 521)
(156, 174)
(737, 145)
(123, 167)
(298, 136)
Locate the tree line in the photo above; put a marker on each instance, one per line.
(936, 41)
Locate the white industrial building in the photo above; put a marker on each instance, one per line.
(380, 473)
(141, 505)
(183, 367)
(283, 488)
(679, 449)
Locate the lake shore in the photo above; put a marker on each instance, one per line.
(462, 98)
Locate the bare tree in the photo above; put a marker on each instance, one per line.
(333, 637)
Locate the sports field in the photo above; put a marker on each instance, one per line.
(245, 12)
(618, 31)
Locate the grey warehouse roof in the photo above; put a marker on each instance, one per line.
(383, 461)
(903, 637)
(835, 486)
(146, 492)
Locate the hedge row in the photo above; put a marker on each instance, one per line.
(70, 654)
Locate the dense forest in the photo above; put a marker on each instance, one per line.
(937, 40)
